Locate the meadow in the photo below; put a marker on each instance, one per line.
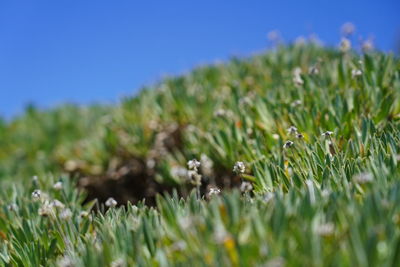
(286, 158)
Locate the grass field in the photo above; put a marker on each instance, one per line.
(287, 158)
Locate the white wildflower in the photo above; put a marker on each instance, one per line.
(299, 136)
(356, 73)
(57, 204)
(326, 229)
(206, 165)
(268, 197)
(58, 186)
(65, 214)
(83, 214)
(36, 194)
(193, 164)
(327, 134)
(367, 46)
(111, 202)
(348, 29)
(297, 76)
(246, 187)
(296, 103)
(46, 209)
(65, 262)
(345, 45)
(239, 167)
(364, 177)
(118, 263)
(301, 40)
(292, 130)
(275, 136)
(179, 172)
(12, 207)
(288, 144)
(213, 191)
(313, 70)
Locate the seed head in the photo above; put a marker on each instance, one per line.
(111, 202)
(239, 167)
(194, 177)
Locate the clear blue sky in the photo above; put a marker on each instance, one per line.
(97, 51)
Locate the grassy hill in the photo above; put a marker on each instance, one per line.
(297, 164)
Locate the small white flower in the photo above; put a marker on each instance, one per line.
(292, 130)
(313, 70)
(65, 214)
(299, 136)
(296, 103)
(356, 73)
(363, 178)
(367, 46)
(206, 165)
(193, 164)
(268, 197)
(179, 172)
(118, 263)
(288, 144)
(111, 202)
(36, 194)
(348, 29)
(57, 204)
(12, 207)
(327, 134)
(297, 76)
(58, 186)
(246, 187)
(326, 229)
(239, 167)
(345, 45)
(35, 178)
(65, 262)
(83, 214)
(213, 191)
(46, 209)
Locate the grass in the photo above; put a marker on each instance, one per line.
(330, 197)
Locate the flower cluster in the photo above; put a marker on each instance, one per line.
(239, 167)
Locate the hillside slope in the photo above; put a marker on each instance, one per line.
(310, 135)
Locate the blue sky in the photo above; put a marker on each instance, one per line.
(97, 51)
